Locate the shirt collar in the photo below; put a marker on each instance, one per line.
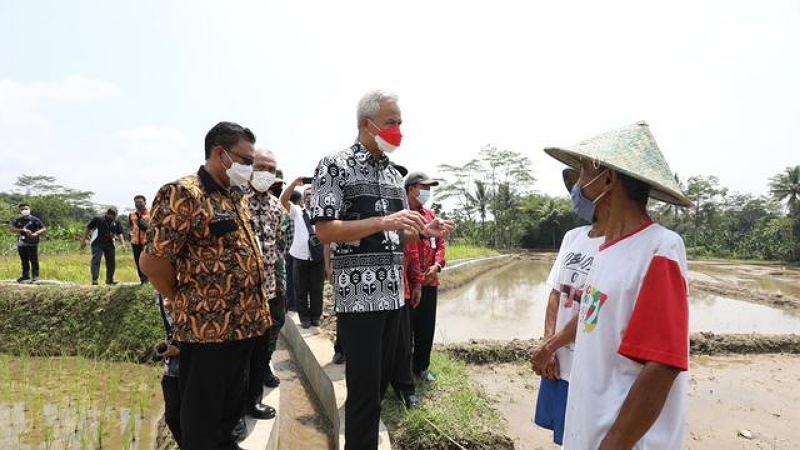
(361, 152)
(208, 183)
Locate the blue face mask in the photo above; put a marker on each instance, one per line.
(423, 196)
(583, 206)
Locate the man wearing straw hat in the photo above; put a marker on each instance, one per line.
(629, 380)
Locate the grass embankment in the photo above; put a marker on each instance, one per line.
(72, 267)
(452, 411)
(456, 252)
(115, 323)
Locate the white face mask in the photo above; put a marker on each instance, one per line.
(25, 212)
(423, 196)
(238, 174)
(384, 146)
(262, 180)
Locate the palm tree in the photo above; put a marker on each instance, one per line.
(480, 202)
(550, 214)
(785, 186)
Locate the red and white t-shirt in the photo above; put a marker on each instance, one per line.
(634, 309)
(567, 276)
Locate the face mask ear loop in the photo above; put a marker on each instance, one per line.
(595, 164)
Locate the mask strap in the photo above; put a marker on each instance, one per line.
(595, 178)
(595, 164)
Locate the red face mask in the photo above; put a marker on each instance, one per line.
(388, 139)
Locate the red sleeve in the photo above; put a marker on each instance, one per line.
(659, 326)
(440, 252)
(415, 276)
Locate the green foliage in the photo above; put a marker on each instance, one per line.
(118, 323)
(461, 251)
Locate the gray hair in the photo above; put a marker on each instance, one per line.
(371, 102)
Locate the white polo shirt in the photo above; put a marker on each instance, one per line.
(299, 248)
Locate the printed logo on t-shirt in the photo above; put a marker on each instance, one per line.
(571, 295)
(592, 301)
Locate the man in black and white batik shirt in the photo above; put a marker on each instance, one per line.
(359, 203)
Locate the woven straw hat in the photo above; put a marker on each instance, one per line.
(631, 150)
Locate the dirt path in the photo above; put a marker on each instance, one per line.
(756, 394)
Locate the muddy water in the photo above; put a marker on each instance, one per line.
(302, 424)
(510, 303)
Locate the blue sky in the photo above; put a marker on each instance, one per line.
(116, 97)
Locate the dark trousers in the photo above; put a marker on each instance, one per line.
(403, 378)
(369, 340)
(257, 371)
(212, 385)
(337, 343)
(277, 311)
(137, 251)
(29, 256)
(172, 406)
(290, 283)
(99, 251)
(423, 325)
(308, 279)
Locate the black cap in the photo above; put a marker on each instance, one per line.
(419, 178)
(111, 210)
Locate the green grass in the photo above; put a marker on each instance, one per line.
(455, 252)
(453, 405)
(71, 267)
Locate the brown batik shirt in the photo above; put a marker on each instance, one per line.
(267, 211)
(205, 231)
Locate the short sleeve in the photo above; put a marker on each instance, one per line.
(327, 199)
(658, 329)
(552, 278)
(172, 218)
(92, 224)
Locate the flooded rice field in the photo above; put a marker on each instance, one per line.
(509, 303)
(77, 403)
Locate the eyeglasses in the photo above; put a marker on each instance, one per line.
(245, 160)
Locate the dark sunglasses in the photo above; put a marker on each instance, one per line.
(245, 160)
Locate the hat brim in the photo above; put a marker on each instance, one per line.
(428, 183)
(657, 190)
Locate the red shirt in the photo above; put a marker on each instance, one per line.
(412, 272)
(431, 250)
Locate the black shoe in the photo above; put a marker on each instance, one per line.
(411, 400)
(94, 282)
(271, 380)
(35, 279)
(305, 323)
(338, 358)
(315, 322)
(144, 281)
(111, 283)
(262, 412)
(23, 279)
(240, 430)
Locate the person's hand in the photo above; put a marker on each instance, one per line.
(431, 273)
(416, 295)
(83, 244)
(439, 228)
(298, 181)
(407, 220)
(540, 357)
(551, 370)
(27, 232)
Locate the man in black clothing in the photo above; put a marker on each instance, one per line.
(108, 228)
(28, 228)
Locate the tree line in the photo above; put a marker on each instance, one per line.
(492, 198)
